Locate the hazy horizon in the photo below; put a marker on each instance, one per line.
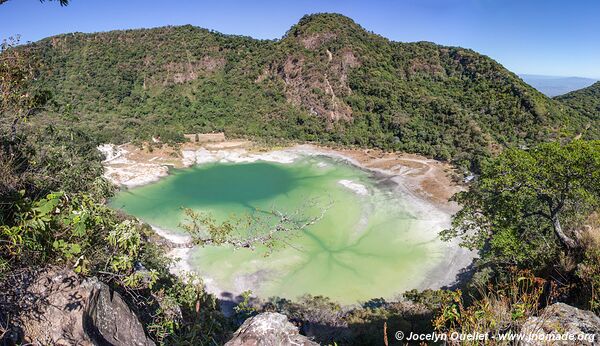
(556, 85)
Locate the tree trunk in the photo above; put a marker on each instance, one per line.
(567, 241)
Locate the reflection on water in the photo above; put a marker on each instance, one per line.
(366, 246)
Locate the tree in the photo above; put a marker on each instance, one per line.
(529, 204)
(19, 100)
(16, 75)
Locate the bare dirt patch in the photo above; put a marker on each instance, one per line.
(133, 165)
(428, 178)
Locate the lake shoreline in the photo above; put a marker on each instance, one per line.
(419, 179)
(128, 166)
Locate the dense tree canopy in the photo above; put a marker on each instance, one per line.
(529, 204)
(327, 80)
(53, 213)
(586, 100)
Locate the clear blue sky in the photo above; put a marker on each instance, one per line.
(548, 37)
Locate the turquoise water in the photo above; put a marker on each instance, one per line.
(365, 246)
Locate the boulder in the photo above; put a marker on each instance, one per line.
(268, 329)
(108, 320)
(55, 306)
(45, 307)
(562, 320)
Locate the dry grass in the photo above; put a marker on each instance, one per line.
(590, 234)
(498, 309)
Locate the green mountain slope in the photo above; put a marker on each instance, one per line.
(326, 80)
(586, 100)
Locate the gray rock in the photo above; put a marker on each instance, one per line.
(45, 307)
(55, 306)
(563, 320)
(268, 329)
(109, 321)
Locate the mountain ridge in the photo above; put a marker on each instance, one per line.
(586, 100)
(327, 79)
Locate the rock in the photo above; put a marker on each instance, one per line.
(108, 320)
(268, 329)
(55, 306)
(45, 307)
(562, 320)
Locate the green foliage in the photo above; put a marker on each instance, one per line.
(188, 315)
(586, 100)
(18, 97)
(330, 323)
(204, 229)
(589, 272)
(74, 228)
(244, 309)
(268, 229)
(60, 227)
(432, 299)
(527, 205)
(446, 102)
(321, 315)
(49, 158)
(327, 80)
(76, 231)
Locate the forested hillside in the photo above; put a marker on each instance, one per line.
(326, 80)
(586, 100)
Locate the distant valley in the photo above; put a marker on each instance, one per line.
(555, 85)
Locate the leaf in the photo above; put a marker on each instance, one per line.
(75, 249)
(80, 225)
(45, 206)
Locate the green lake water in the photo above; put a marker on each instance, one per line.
(366, 246)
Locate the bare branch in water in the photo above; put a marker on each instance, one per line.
(248, 231)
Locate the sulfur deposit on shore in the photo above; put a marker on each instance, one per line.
(132, 165)
(427, 183)
(129, 165)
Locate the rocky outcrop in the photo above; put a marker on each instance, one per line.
(45, 307)
(268, 329)
(108, 319)
(55, 306)
(564, 321)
